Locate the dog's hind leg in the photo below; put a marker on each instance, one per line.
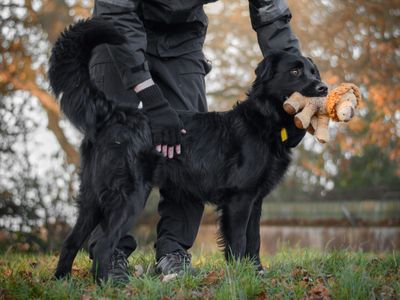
(253, 234)
(233, 225)
(87, 221)
(117, 221)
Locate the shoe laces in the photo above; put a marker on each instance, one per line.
(119, 260)
(175, 259)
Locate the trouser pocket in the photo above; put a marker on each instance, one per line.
(106, 78)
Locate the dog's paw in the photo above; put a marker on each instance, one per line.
(61, 274)
(261, 272)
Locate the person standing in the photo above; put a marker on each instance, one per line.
(162, 65)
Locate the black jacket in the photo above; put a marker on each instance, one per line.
(170, 28)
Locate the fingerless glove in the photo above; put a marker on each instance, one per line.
(164, 121)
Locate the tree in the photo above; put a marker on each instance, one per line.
(31, 198)
(351, 40)
(355, 41)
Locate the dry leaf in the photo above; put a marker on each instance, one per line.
(86, 297)
(261, 296)
(387, 292)
(7, 272)
(211, 278)
(138, 270)
(89, 297)
(169, 277)
(318, 292)
(130, 292)
(80, 272)
(25, 274)
(299, 272)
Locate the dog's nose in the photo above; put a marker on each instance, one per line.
(321, 88)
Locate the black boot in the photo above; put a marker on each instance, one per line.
(177, 262)
(118, 269)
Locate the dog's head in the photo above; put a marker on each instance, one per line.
(281, 73)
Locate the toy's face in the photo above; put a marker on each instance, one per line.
(346, 107)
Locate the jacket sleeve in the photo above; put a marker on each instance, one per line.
(128, 58)
(270, 19)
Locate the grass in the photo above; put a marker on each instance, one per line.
(291, 274)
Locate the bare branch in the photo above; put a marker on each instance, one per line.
(53, 112)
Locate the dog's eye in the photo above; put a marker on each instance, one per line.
(295, 72)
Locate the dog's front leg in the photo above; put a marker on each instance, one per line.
(253, 235)
(233, 225)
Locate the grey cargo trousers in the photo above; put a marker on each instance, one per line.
(181, 80)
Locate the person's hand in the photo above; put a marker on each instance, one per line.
(166, 126)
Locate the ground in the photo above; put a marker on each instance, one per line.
(290, 274)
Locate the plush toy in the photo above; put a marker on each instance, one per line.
(315, 112)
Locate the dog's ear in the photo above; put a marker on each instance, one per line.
(315, 66)
(264, 69)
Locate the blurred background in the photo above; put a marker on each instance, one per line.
(345, 194)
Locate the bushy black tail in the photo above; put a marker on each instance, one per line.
(69, 75)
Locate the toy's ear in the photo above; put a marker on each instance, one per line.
(315, 66)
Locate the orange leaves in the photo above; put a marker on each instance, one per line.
(357, 125)
(316, 288)
(385, 97)
(7, 272)
(318, 292)
(213, 277)
(262, 296)
(80, 272)
(378, 95)
(331, 78)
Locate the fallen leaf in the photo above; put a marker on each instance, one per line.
(203, 293)
(138, 270)
(211, 278)
(387, 292)
(4, 294)
(25, 274)
(169, 277)
(180, 294)
(91, 286)
(261, 296)
(318, 292)
(320, 280)
(130, 292)
(274, 282)
(7, 272)
(80, 272)
(299, 272)
(86, 297)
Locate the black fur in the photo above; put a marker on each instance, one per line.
(232, 159)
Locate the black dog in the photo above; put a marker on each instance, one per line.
(232, 159)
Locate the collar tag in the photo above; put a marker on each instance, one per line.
(284, 136)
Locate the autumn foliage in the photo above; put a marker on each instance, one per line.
(351, 41)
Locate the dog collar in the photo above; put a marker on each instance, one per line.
(284, 136)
